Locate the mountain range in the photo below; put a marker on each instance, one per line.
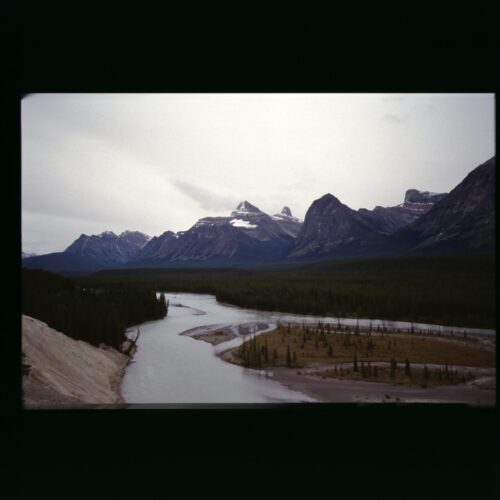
(425, 222)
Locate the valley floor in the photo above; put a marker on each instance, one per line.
(316, 379)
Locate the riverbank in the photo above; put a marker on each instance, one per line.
(60, 372)
(480, 391)
(317, 380)
(330, 390)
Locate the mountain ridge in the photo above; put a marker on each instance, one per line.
(460, 221)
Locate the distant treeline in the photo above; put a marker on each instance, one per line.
(95, 315)
(450, 290)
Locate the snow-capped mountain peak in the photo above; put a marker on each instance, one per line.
(109, 246)
(286, 215)
(107, 233)
(138, 237)
(416, 197)
(244, 208)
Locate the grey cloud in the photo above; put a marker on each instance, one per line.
(395, 119)
(205, 198)
(92, 162)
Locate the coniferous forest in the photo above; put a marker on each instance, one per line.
(450, 290)
(95, 315)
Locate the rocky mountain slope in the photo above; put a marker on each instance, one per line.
(388, 220)
(332, 229)
(246, 235)
(109, 246)
(92, 253)
(464, 220)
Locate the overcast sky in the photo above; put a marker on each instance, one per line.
(152, 162)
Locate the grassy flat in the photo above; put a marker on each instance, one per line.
(302, 347)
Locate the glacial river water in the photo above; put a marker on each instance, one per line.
(172, 368)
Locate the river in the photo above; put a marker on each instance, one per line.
(169, 368)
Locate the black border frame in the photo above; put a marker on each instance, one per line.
(431, 53)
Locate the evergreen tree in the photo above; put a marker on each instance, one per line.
(394, 366)
(288, 357)
(355, 363)
(407, 368)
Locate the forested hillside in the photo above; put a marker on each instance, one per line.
(449, 290)
(93, 314)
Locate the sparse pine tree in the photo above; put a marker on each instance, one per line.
(394, 365)
(288, 356)
(426, 372)
(330, 351)
(370, 346)
(355, 367)
(407, 368)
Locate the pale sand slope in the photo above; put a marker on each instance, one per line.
(66, 372)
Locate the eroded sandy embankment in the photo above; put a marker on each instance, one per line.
(66, 373)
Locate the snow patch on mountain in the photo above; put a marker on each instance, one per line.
(242, 223)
